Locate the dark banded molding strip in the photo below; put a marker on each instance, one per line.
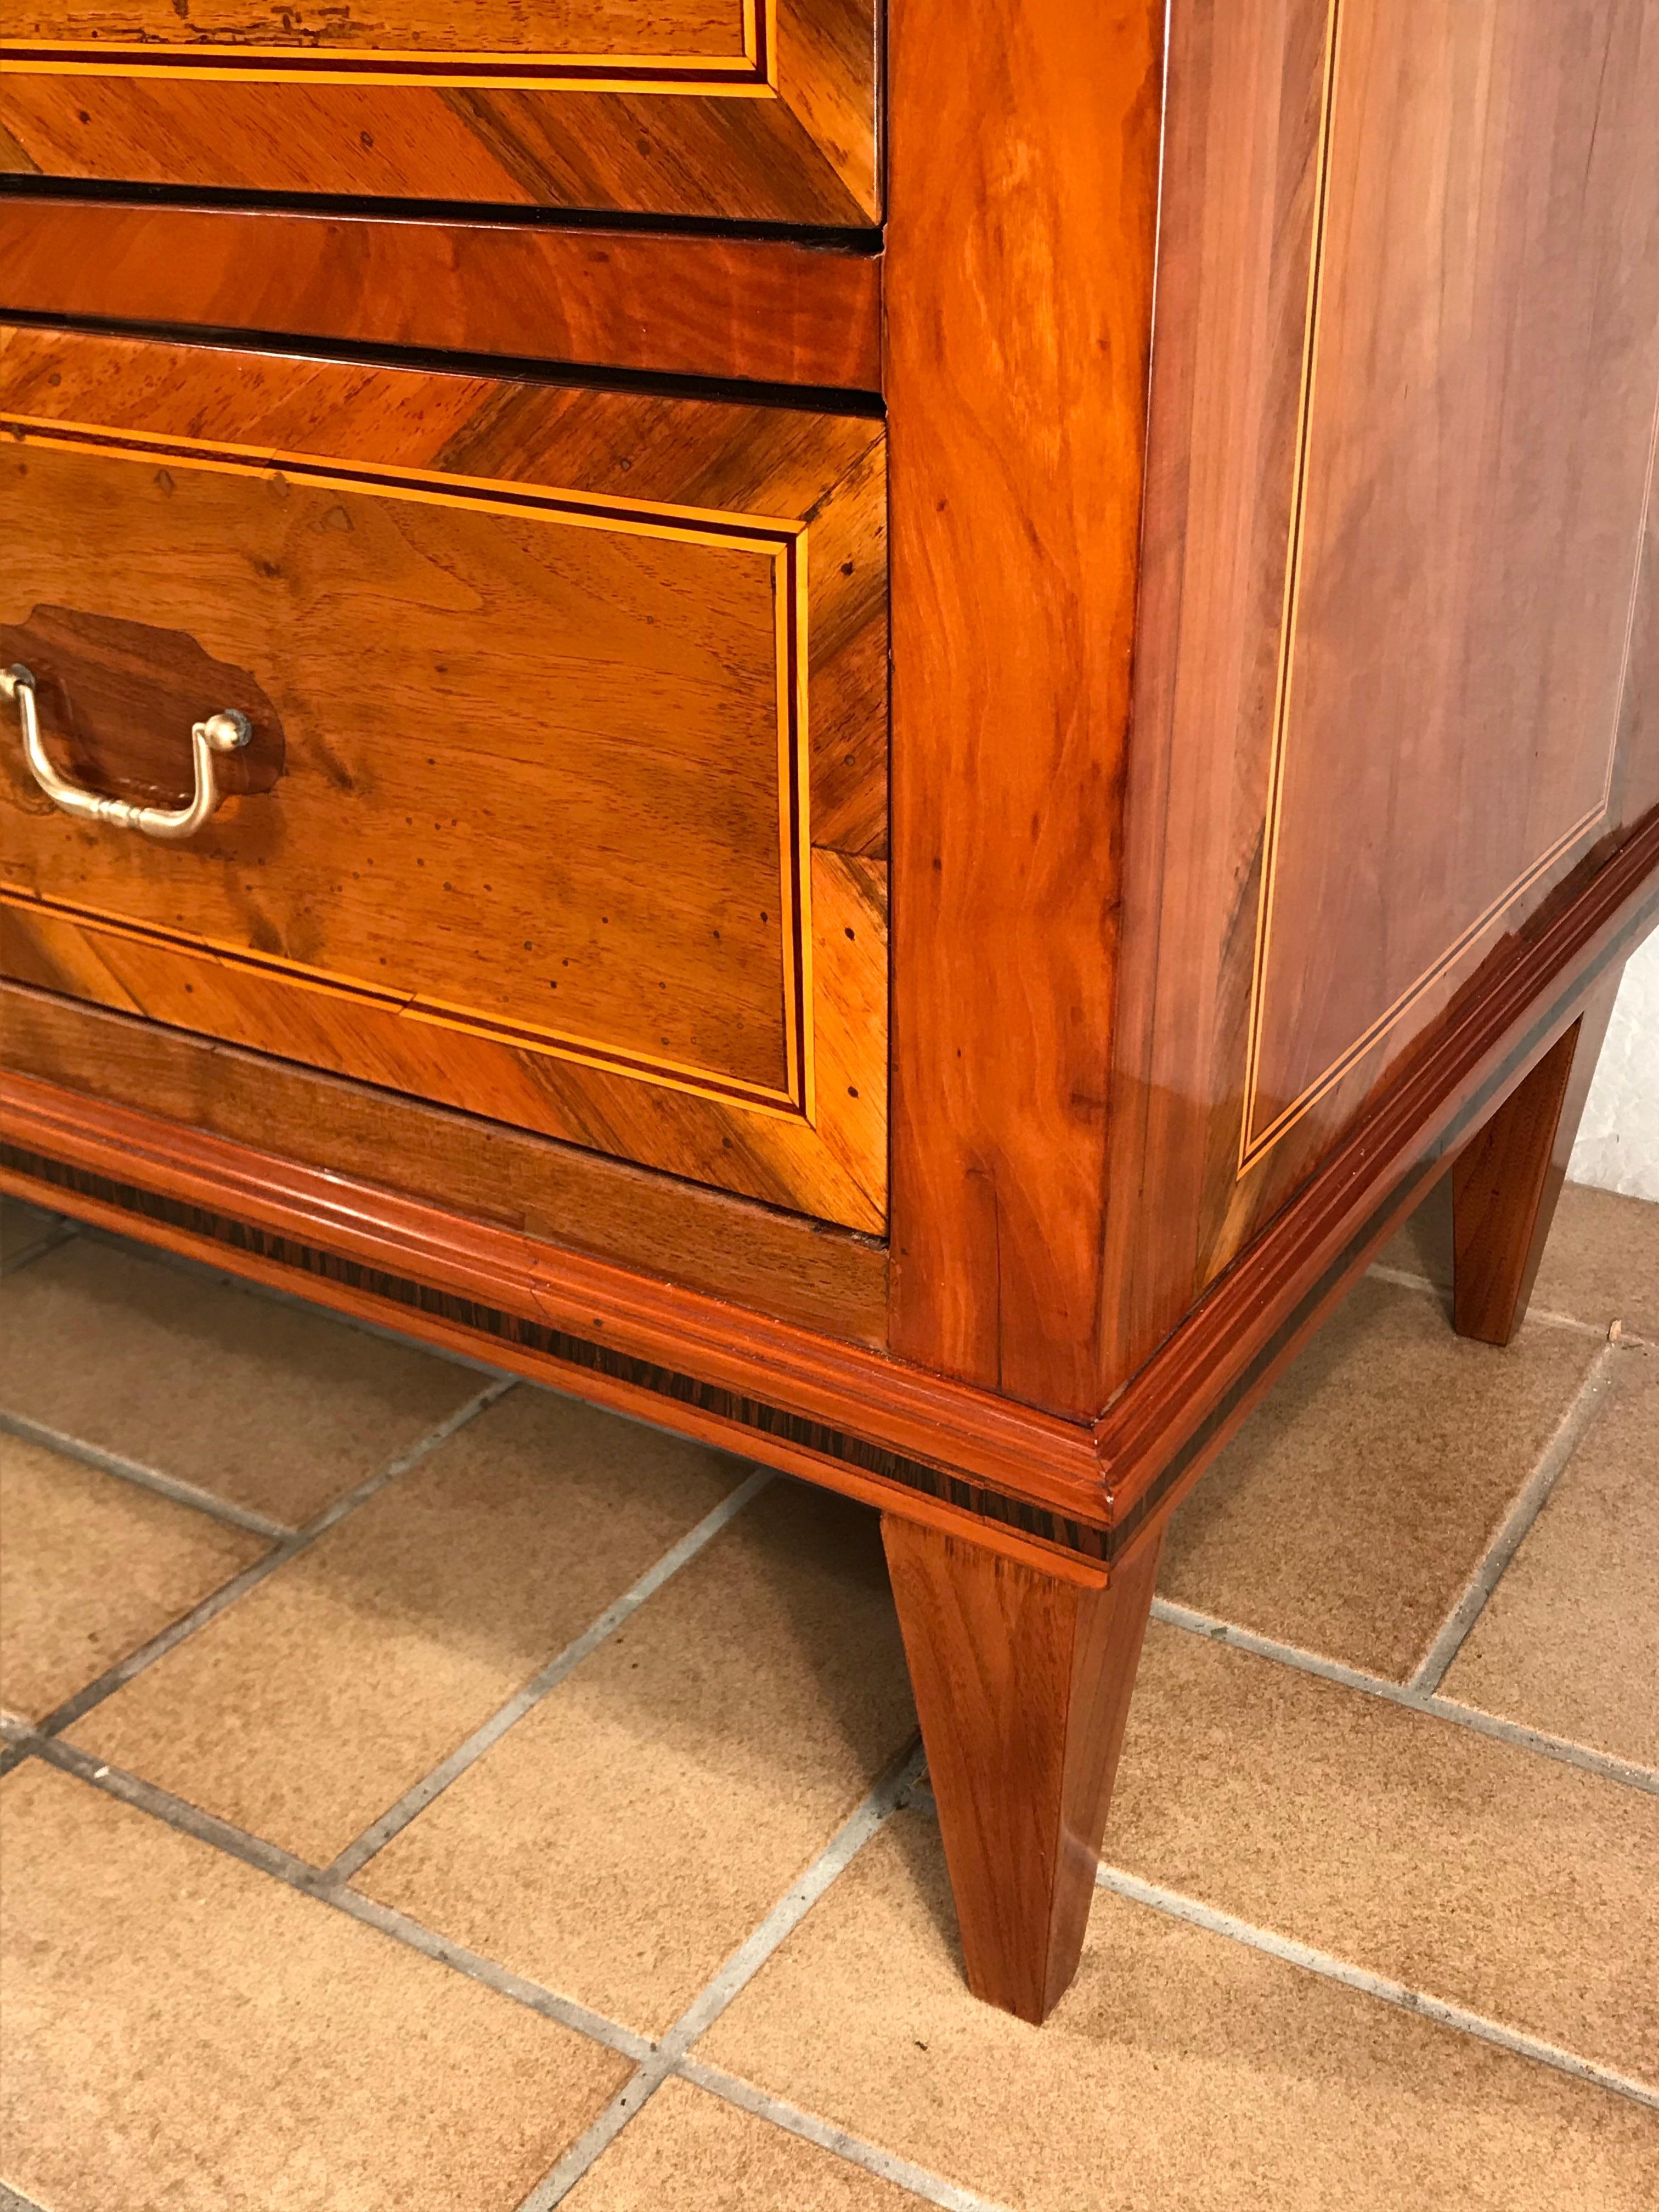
(492, 1328)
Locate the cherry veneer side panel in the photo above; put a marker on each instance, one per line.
(1394, 625)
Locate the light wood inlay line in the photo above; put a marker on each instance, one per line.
(1292, 577)
(781, 542)
(1255, 1143)
(749, 74)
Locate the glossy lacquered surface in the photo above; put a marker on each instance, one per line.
(768, 311)
(1395, 641)
(536, 679)
(1018, 288)
(1505, 1184)
(763, 1257)
(753, 110)
(1269, 442)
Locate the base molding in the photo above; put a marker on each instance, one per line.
(1079, 1500)
(912, 1443)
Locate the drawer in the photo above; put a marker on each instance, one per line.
(564, 799)
(751, 110)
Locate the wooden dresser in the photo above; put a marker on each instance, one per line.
(867, 730)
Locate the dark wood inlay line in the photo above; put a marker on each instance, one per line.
(489, 1324)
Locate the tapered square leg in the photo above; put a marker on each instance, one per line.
(1506, 1181)
(1023, 1680)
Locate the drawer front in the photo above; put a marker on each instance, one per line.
(564, 799)
(752, 110)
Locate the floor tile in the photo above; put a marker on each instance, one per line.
(1569, 1641)
(312, 1704)
(1348, 1513)
(624, 1838)
(697, 2154)
(1516, 1886)
(264, 1403)
(183, 2031)
(1601, 1263)
(90, 1568)
(24, 1228)
(1183, 2070)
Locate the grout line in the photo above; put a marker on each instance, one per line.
(745, 1963)
(298, 1873)
(567, 2011)
(1545, 1316)
(113, 1678)
(146, 1478)
(423, 1793)
(932, 2188)
(1330, 1968)
(16, 1735)
(48, 1241)
(1588, 1401)
(654, 2064)
(1602, 1762)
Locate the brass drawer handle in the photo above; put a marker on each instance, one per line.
(220, 733)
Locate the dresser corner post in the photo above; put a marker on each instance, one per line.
(1023, 1677)
(1507, 1181)
(1023, 144)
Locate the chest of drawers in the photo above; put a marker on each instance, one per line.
(900, 718)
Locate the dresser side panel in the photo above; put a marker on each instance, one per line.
(1407, 369)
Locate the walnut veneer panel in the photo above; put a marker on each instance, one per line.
(689, 30)
(531, 821)
(770, 311)
(748, 109)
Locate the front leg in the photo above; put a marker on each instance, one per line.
(1022, 1674)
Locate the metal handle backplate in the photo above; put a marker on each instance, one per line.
(220, 733)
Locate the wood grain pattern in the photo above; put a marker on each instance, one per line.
(1025, 187)
(782, 1264)
(1402, 424)
(1034, 1475)
(1464, 551)
(1506, 1184)
(766, 310)
(1094, 1491)
(665, 117)
(758, 1428)
(1165, 1425)
(120, 698)
(692, 30)
(1022, 1684)
(667, 967)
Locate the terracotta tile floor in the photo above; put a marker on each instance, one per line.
(427, 1791)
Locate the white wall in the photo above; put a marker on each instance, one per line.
(1618, 1146)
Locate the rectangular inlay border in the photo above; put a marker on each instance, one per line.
(782, 543)
(1255, 1144)
(748, 75)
